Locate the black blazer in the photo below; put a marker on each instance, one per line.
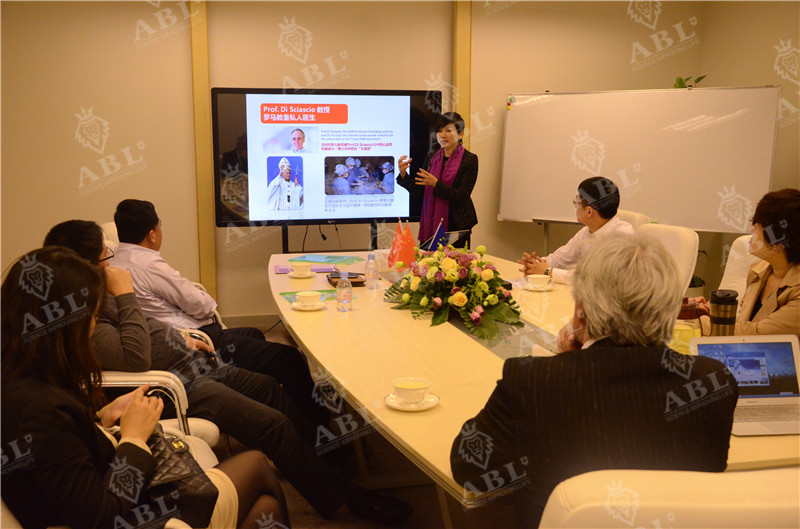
(56, 463)
(462, 214)
(604, 407)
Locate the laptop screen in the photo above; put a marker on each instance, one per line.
(761, 369)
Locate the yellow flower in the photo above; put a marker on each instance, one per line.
(487, 274)
(406, 297)
(432, 272)
(459, 299)
(399, 264)
(481, 249)
(483, 286)
(415, 283)
(491, 299)
(448, 264)
(423, 301)
(403, 283)
(451, 276)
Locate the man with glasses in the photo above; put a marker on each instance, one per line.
(596, 208)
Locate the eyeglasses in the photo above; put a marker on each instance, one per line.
(110, 254)
(577, 203)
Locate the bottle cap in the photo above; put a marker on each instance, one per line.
(342, 275)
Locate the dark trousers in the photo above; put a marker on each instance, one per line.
(247, 348)
(255, 410)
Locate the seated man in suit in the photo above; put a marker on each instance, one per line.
(252, 407)
(617, 397)
(596, 208)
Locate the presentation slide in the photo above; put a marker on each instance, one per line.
(326, 156)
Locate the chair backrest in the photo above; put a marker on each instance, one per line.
(634, 218)
(670, 498)
(681, 243)
(738, 264)
(110, 234)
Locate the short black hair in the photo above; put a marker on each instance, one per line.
(83, 236)
(134, 220)
(443, 120)
(601, 194)
(778, 213)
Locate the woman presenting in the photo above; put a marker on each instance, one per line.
(448, 181)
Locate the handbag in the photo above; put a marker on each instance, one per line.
(179, 480)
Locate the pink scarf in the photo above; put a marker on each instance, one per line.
(433, 207)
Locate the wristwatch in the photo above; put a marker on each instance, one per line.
(548, 271)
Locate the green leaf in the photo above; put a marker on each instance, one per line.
(697, 81)
(502, 312)
(440, 316)
(679, 83)
(487, 328)
(394, 294)
(402, 306)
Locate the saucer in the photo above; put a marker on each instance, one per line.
(300, 276)
(533, 288)
(315, 306)
(393, 401)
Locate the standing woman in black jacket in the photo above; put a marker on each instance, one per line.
(448, 180)
(59, 465)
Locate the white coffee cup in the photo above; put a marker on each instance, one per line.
(301, 269)
(411, 390)
(308, 298)
(538, 280)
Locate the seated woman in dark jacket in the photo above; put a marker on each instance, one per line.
(59, 465)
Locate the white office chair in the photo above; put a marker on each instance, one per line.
(677, 499)
(172, 385)
(737, 266)
(681, 243)
(633, 218)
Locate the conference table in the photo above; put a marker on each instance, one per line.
(360, 352)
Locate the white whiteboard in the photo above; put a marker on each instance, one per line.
(700, 158)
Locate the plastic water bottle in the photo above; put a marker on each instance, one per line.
(344, 293)
(371, 272)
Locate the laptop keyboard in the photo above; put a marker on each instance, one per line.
(766, 413)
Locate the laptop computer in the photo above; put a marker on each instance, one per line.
(765, 368)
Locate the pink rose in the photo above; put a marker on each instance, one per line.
(462, 273)
(437, 303)
(475, 317)
(479, 310)
(439, 276)
(454, 290)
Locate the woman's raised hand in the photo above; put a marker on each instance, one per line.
(403, 164)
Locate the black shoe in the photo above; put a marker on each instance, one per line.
(382, 510)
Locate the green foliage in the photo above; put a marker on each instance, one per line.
(683, 82)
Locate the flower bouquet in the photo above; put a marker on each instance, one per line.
(453, 278)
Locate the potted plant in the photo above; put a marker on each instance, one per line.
(697, 283)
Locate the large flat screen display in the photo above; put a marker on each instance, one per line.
(317, 157)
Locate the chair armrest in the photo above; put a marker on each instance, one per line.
(157, 379)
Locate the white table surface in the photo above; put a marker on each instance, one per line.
(362, 351)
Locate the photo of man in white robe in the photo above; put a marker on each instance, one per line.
(283, 192)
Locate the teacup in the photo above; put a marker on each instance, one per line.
(411, 390)
(301, 269)
(538, 280)
(308, 298)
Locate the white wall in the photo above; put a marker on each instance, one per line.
(59, 58)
